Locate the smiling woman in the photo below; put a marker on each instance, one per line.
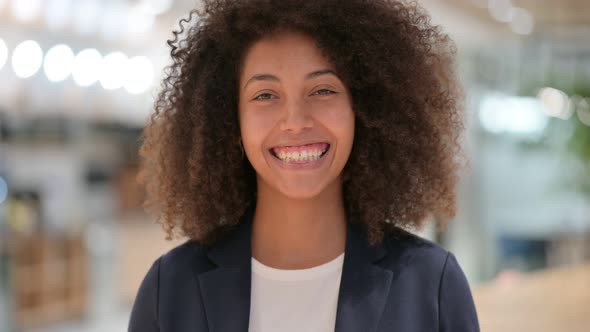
(307, 112)
(294, 143)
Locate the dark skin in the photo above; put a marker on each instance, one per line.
(301, 235)
(300, 219)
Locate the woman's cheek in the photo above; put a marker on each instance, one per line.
(339, 118)
(255, 127)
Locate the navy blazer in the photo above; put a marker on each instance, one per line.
(405, 284)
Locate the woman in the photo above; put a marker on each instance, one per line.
(294, 143)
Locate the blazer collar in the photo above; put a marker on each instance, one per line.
(364, 286)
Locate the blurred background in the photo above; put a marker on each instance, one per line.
(77, 81)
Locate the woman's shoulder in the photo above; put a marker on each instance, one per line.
(187, 255)
(424, 267)
(404, 240)
(412, 252)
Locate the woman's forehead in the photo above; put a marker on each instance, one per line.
(286, 53)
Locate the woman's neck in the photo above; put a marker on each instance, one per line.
(298, 233)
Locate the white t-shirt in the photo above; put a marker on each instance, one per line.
(302, 300)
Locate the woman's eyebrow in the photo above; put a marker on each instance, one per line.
(320, 73)
(270, 77)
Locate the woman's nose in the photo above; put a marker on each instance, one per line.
(297, 116)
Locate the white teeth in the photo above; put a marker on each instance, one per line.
(306, 155)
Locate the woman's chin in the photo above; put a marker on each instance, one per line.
(300, 193)
(300, 187)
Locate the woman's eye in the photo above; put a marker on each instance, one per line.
(264, 96)
(323, 92)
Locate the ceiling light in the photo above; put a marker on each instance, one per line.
(27, 58)
(509, 114)
(26, 10)
(555, 103)
(59, 62)
(140, 75)
(522, 21)
(500, 9)
(113, 69)
(86, 67)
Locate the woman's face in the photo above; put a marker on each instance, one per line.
(296, 119)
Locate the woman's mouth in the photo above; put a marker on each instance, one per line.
(301, 154)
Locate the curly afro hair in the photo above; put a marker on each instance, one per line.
(398, 67)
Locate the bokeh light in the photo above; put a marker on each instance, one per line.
(26, 10)
(59, 62)
(517, 115)
(113, 68)
(140, 75)
(555, 103)
(500, 9)
(27, 59)
(521, 21)
(87, 67)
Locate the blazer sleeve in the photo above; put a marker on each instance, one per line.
(144, 314)
(456, 307)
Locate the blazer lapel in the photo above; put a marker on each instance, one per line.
(226, 289)
(364, 286)
(226, 295)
